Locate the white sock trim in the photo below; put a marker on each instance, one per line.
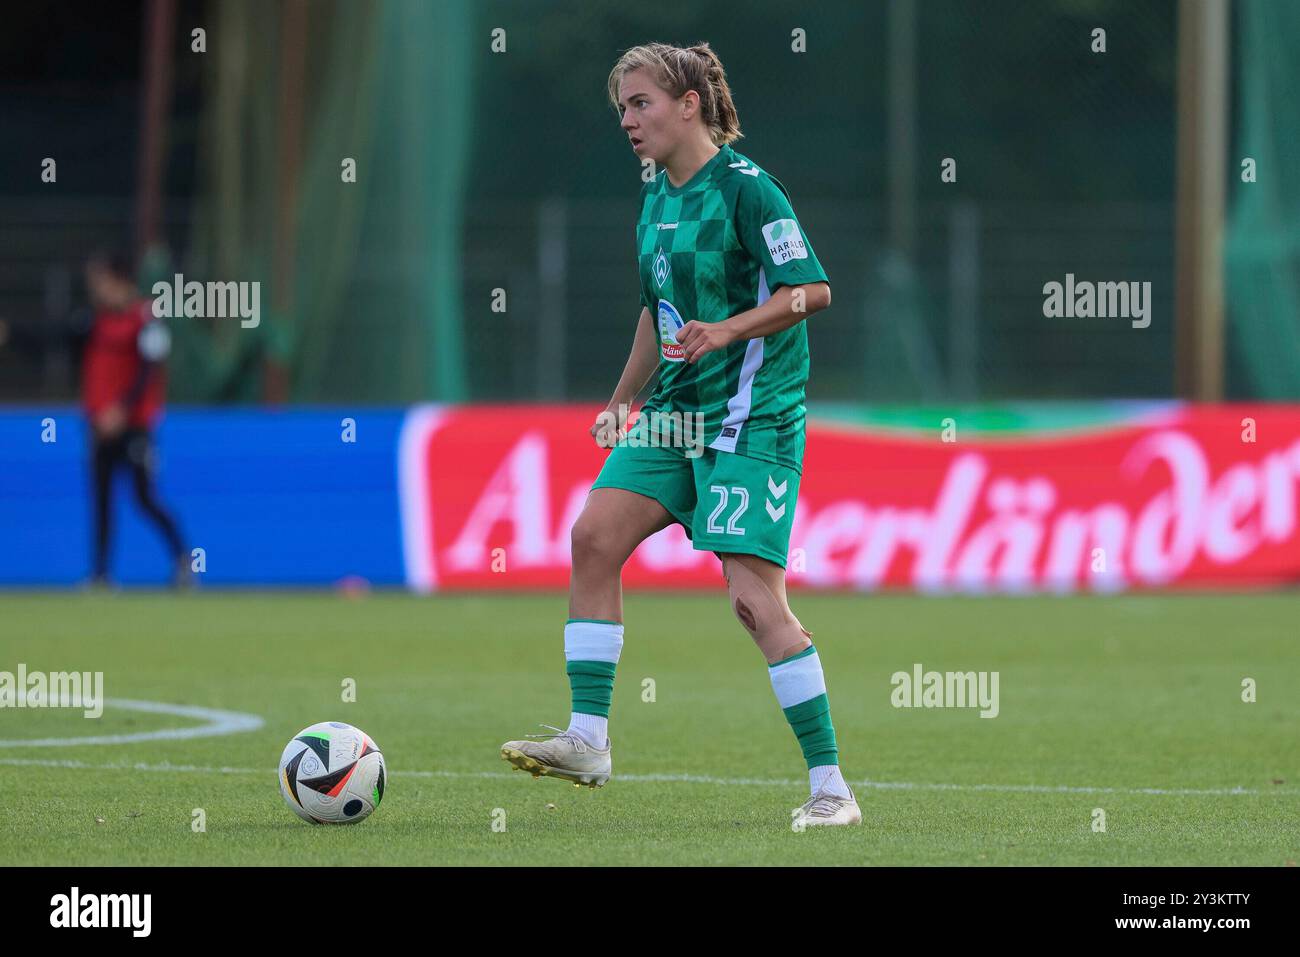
(797, 681)
(592, 641)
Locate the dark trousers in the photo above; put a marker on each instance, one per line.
(134, 449)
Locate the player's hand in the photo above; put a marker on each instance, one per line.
(701, 337)
(111, 421)
(607, 430)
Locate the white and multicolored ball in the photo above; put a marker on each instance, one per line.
(332, 773)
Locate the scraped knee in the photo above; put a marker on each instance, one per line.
(767, 618)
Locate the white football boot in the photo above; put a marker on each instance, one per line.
(564, 755)
(825, 808)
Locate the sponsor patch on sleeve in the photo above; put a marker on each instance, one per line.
(784, 241)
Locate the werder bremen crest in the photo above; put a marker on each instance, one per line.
(662, 270)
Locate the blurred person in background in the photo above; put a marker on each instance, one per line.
(123, 386)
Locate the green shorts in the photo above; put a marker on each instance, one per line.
(726, 502)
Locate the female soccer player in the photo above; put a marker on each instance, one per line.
(727, 280)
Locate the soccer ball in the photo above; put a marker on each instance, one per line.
(332, 773)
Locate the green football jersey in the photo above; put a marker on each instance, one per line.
(709, 249)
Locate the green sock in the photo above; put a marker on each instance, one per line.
(591, 650)
(801, 691)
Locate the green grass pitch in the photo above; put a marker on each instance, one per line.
(1131, 704)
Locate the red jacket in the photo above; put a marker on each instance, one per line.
(114, 370)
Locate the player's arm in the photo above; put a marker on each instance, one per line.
(786, 307)
(152, 344)
(641, 364)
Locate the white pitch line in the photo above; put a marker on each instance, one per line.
(691, 779)
(218, 723)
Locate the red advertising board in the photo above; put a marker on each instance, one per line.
(1178, 496)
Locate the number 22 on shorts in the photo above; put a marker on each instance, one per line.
(742, 494)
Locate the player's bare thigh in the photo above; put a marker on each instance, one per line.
(612, 524)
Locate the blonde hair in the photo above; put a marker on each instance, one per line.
(675, 70)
